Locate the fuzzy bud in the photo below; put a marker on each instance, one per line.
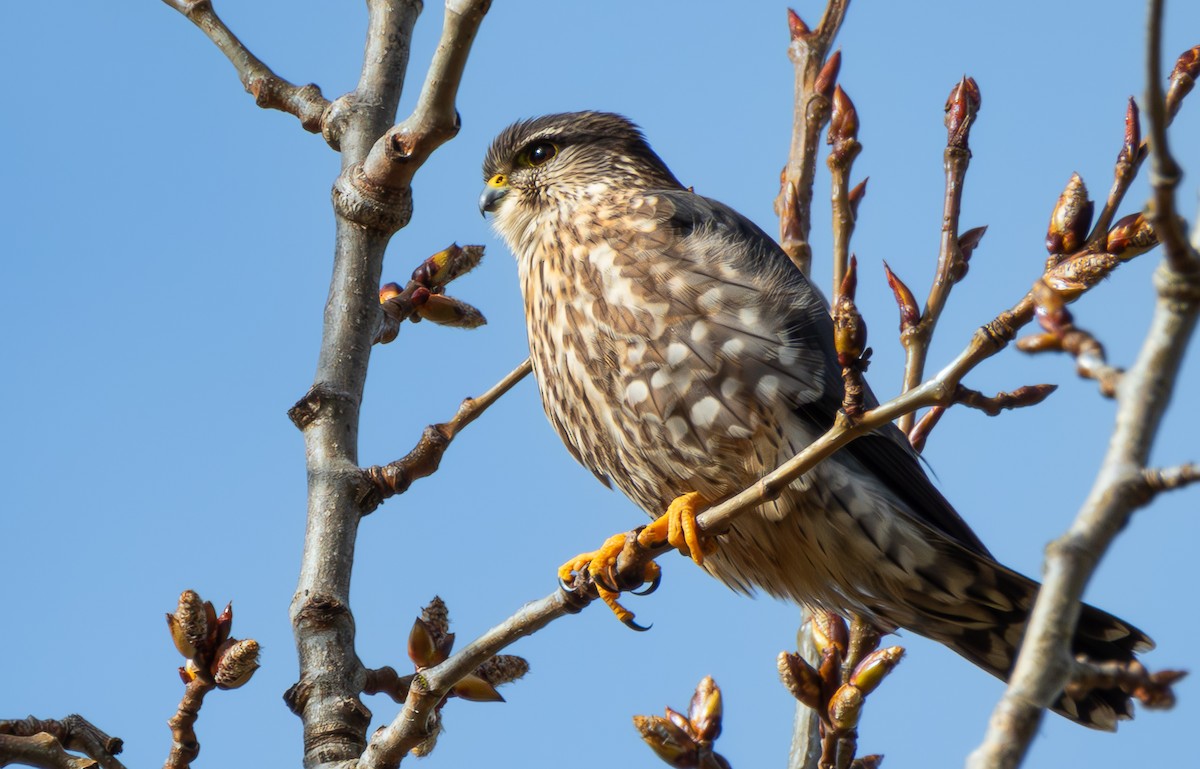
(1071, 218)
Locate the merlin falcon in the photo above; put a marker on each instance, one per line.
(681, 356)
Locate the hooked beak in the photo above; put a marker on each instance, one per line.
(489, 199)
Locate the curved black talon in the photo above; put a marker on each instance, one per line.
(629, 623)
(651, 587)
(604, 580)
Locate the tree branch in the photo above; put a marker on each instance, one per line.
(326, 697)
(1165, 173)
(41, 742)
(412, 726)
(269, 90)
(395, 158)
(1044, 665)
(395, 477)
(961, 107)
(815, 78)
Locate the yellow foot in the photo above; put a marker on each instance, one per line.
(610, 568)
(677, 528)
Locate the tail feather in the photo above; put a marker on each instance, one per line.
(986, 626)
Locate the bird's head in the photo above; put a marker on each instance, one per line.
(565, 158)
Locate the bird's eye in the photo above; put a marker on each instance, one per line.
(537, 153)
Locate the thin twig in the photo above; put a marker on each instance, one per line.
(807, 51)
(269, 90)
(843, 136)
(403, 149)
(389, 744)
(395, 477)
(1165, 173)
(184, 744)
(961, 108)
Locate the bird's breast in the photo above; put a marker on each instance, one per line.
(639, 380)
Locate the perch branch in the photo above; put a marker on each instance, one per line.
(269, 90)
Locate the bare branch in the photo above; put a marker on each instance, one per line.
(961, 107)
(269, 90)
(403, 149)
(1160, 479)
(184, 744)
(1044, 663)
(845, 147)
(389, 744)
(386, 680)
(41, 742)
(815, 78)
(395, 477)
(1165, 173)
(327, 694)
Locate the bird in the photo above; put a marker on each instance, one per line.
(681, 356)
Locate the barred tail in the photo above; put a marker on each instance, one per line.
(987, 620)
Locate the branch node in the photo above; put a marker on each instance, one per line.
(371, 206)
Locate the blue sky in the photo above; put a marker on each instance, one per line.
(167, 254)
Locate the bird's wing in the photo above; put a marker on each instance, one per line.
(793, 312)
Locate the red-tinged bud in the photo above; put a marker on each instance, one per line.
(829, 631)
(705, 709)
(1071, 218)
(447, 264)
(843, 129)
(849, 328)
(1188, 64)
(801, 679)
(475, 689)
(827, 77)
(873, 761)
(875, 667)
(388, 290)
(420, 295)
(967, 242)
(1131, 236)
(224, 625)
(791, 226)
(1133, 135)
(235, 662)
(680, 720)
(910, 313)
(1183, 79)
(797, 29)
(448, 311)
(855, 196)
(422, 647)
(961, 106)
(845, 708)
